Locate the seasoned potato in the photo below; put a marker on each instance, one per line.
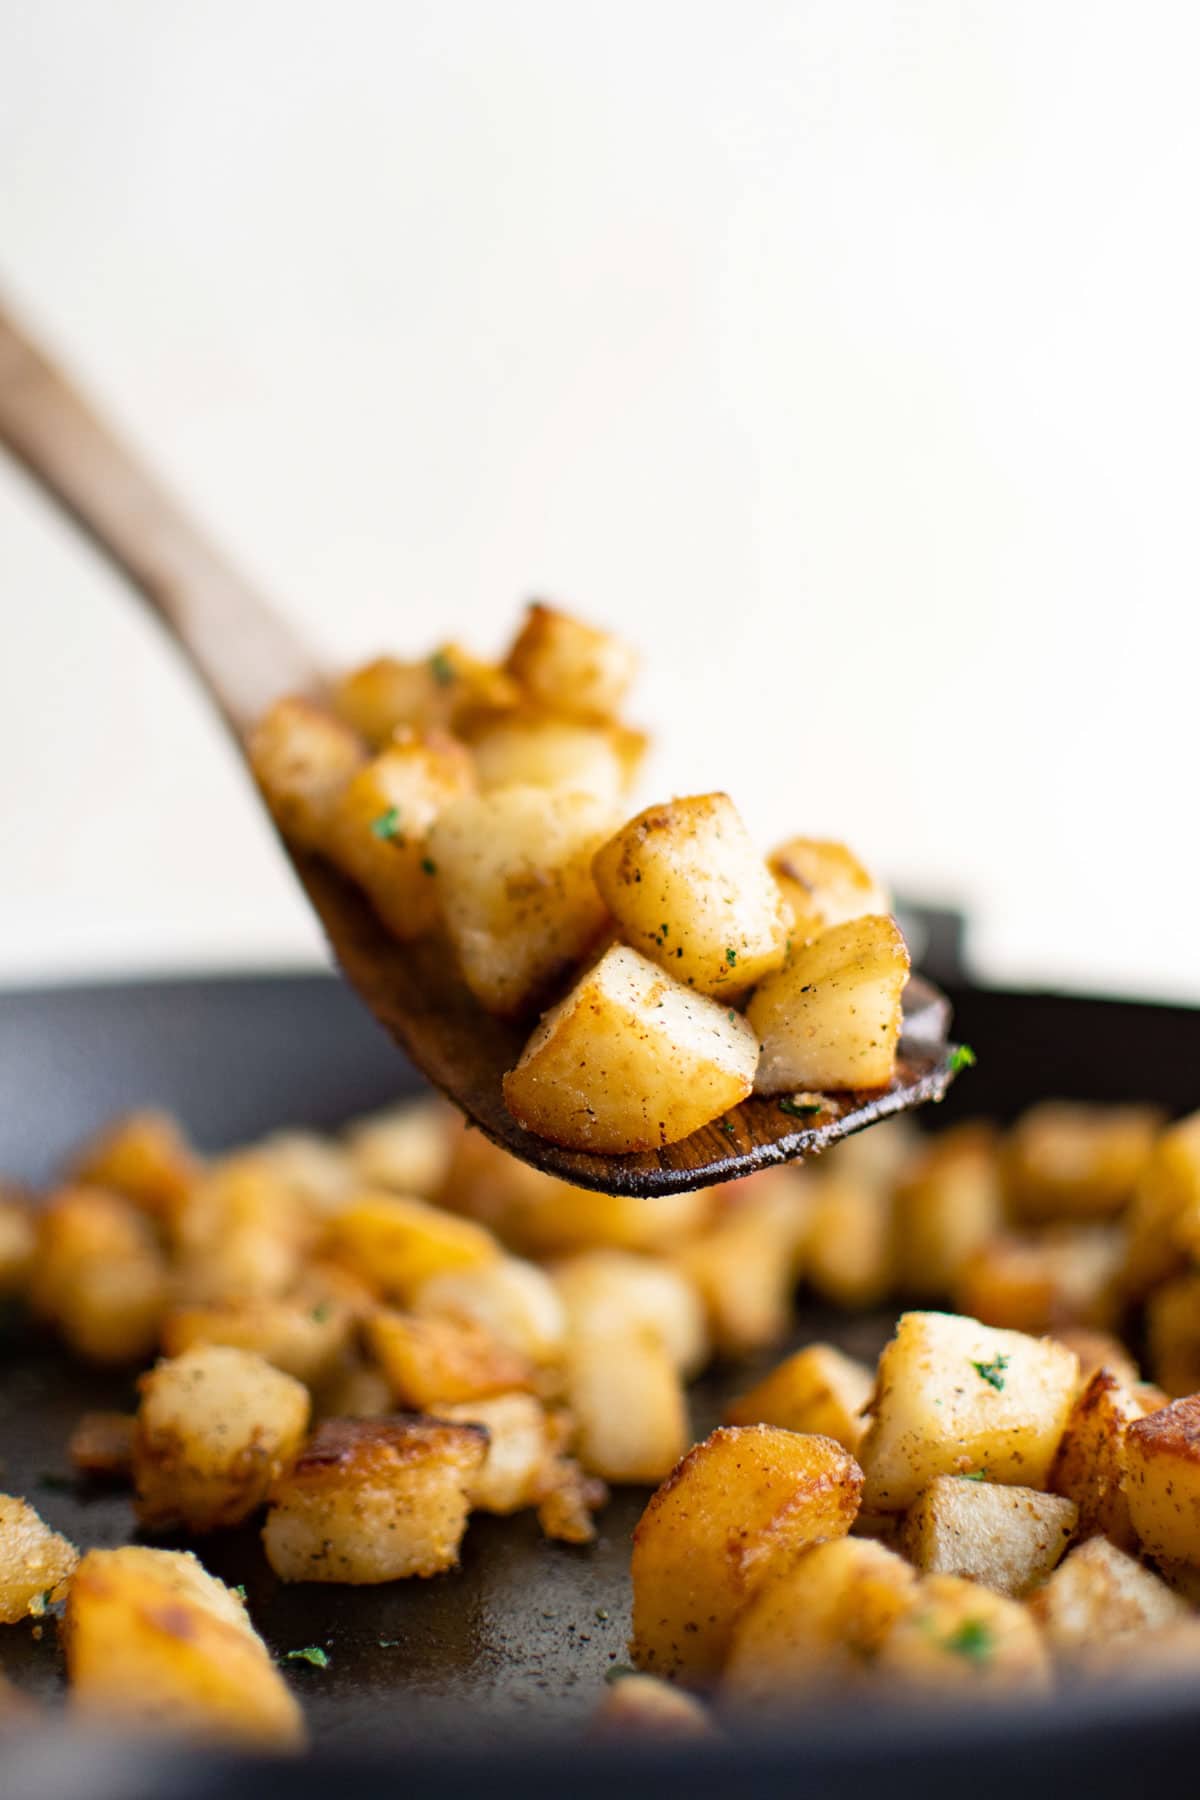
(513, 875)
(1173, 1335)
(379, 829)
(409, 1147)
(831, 1018)
(849, 1244)
(1162, 1655)
(521, 1450)
(18, 1242)
(817, 1622)
(145, 1157)
(450, 690)
(1064, 1276)
(435, 1361)
(1007, 1538)
(532, 750)
(947, 1205)
(1098, 1350)
(569, 667)
(101, 1445)
(514, 1301)
(643, 1707)
(374, 1500)
(1162, 1480)
(824, 884)
(630, 1060)
(630, 1410)
(735, 1510)
(689, 891)
(302, 758)
(963, 1640)
(1063, 1160)
(1089, 1466)
(155, 1643)
(214, 1428)
(879, 1157)
(817, 1390)
(99, 1275)
(953, 1397)
(304, 1335)
(358, 1390)
(396, 1244)
(318, 1173)
(606, 1293)
(1100, 1593)
(243, 1232)
(569, 1499)
(744, 1265)
(35, 1562)
(1163, 1222)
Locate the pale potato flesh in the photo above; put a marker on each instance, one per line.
(605, 1293)
(545, 752)
(832, 1017)
(627, 1399)
(1006, 1538)
(514, 1301)
(302, 758)
(34, 1561)
(570, 667)
(449, 690)
(960, 1639)
(1161, 1481)
(824, 884)
(1098, 1593)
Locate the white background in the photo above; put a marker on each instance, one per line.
(844, 355)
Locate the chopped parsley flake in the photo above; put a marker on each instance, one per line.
(799, 1109)
(731, 958)
(387, 824)
(441, 668)
(240, 1591)
(972, 1475)
(962, 1057)
(311, 1653)
(727, 1127)
(732, 1015)
(429, 866)
(992, 1372)
(972, 1639)
(321, 1312)
(389, 1643)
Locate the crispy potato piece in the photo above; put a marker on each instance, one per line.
(1173, 1335)
(962, 1640)
(817, 1390)
(734, 1511)
(849, 1244)
(1163, 1221)
(243, 1232)
(743, 1265)
(374, 1500)
(513, 876)
(521, 1450)
(1089, 1466)
(947, 1205)
(630, 1060)
(18, 1242)
(627, 1399)
(153, 1642)
(816, 1623)
(644, 1707)
(514, 1301)
(831, 1018)
(302, 758)
(144, 1156)
(449, 690)
(1162, 1480)
(954, 1396)
(1098, 1350)
(214, 1428)
(101, 1445)
(689, 891)
(396, 1244)
(1099, 1593)
(359, 1390)
(606, 1293)
(879, 1157)
(317, 1173)
(570, 667)
(304, 1335)
(824, 884)
(434, 1362)
(1065, 1276)
(409, 1147)
(1163, 1655)
(99, 1275)
(1063, 1160)
(568, 1501)
(35, 1562)
(1007, 1538)
(527, 749)
(379, 829)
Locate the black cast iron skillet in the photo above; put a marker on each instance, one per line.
(483, 1678)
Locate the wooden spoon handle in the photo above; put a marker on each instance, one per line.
(243, 653)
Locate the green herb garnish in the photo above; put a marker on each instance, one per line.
(311, 1653)
(992, 1372)
(731, 958)
(962, 1057)
(727, 1127)
(799, 1109)
(389, 1643)
(387, 824)
(441, 668)
(973, 1639)
(429, 866)
(973, 1475)
(321, 1312)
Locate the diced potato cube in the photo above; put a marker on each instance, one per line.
(302, 758)
(18, 1242)
(215, 1426)
(832, 1017)
(304, 1335)
(1007, 1538)
(243, 1232)
(1173, 1334)
(1162, 1480)
(879, 1157)
(569, 1499)
(744, 1264)
(432, 1362)
(570, 667)
(1163, 1655)
(628, 1403)
(99, 1275)
(373, 1500)
(849, 1244)
(521, 1451)
(736, 1509)
(1064, 1276)
(954, 1396)
(34, 1562)
(818, 1390)
(155, 1643)
(318, 1173)
(690, 891)
(962, 1640)
(1063, 1160)
(145, 1157)
(1099, 1593)
(630, 1060)
(824, 884)
(1098, 1350)
(643, 1707)
(379, 831)
(1089, 1467)
(396, 1244)
(450, 690)
(409, 1147)
(817, 1623)
(514, 1301)
(101, 1445)
(513, 874)
(947, 1205)
(359, 1390)
(608, 1293)
(1163, 1222)
(531, 750)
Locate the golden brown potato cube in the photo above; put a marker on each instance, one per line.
(449, 689)
(1007, 1538)
(395, 1244)
(318, 1173)
(434, 1361)
(214, 1428)
(953, 1397)
(817, 1623)
(374, 1500)
(736, 1509)
(408, 1147)
(1163, 1221)
(155, 1643)
(1067, 1275)
(1089, 1466)
(606, 1293)
(18, 1242)
(628, 1404)
(743, 1266)
(144, 1156)
(243, 1233)
(513, 875)
(379, 831)
(879, 1157)
(521, 1451)
(947, 1205)
(630, 1060)
(101, 1445)
(569, 1498)
(1064, 1160)
(99, 1275)
(645, 1708)
(962, 1641)
(514, 1301)
(690, 892)
(1098, 1350)
(1173, 1335)
(831, 1018)
(34, 1562)
(1162, 1480)
(302, 758)
(526, 749)
(304, 1335)
(849, 1245)
(818, 1390)
(569, 667)
(824, 884)
(1099, 1593)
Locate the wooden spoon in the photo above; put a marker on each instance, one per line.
(246, 657)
